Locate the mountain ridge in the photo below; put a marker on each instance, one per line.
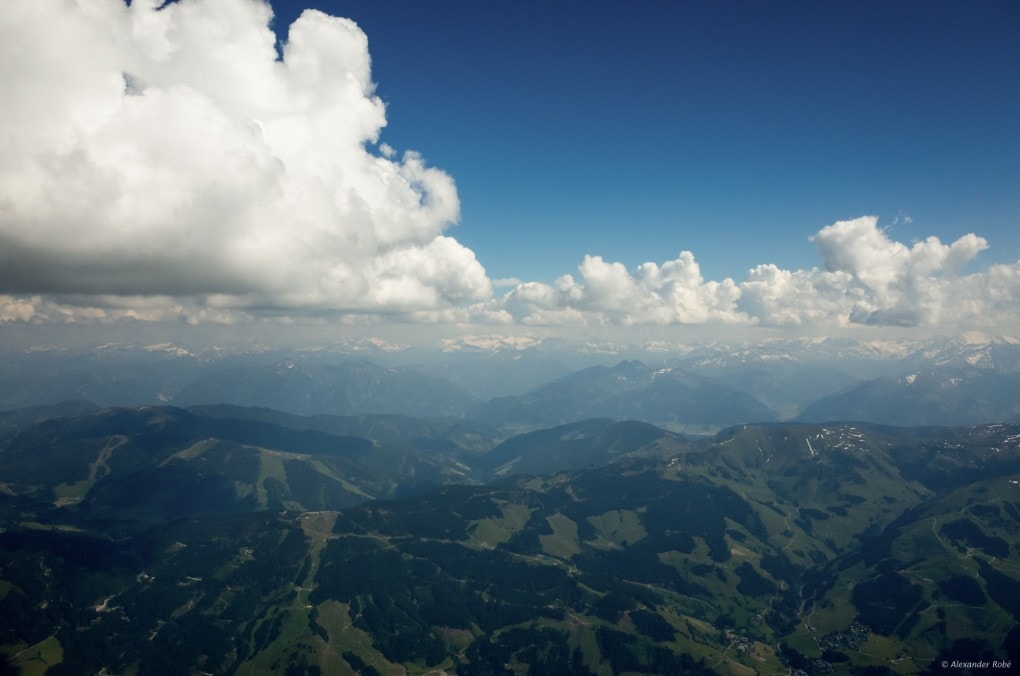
(817, 379)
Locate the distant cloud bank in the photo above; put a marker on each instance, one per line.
(169, 165)
(866, 279)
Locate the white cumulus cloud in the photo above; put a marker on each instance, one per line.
(170, 152)
(866, 279)
(673, 293)
(898, 285)
(773, 296)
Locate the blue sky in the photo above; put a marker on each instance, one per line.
(734, 130)
(560, 167)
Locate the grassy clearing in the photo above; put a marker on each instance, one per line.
(490, 532)
(193, 451)
(293, 633)
(317, 527)
(321, 468)
(886, 650)
(836, 611)
(35, 660)
(563, 542)
(334, 617)
(803, 642)
(616, 528)
(731, 667)
(66, 494)
(270, 465)
(586, 641)
(243, 490)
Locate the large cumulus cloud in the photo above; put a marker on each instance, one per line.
(899, 285)
(168, 152)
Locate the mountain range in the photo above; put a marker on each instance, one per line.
(523, 386)
(630, 390)
(218, 539)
